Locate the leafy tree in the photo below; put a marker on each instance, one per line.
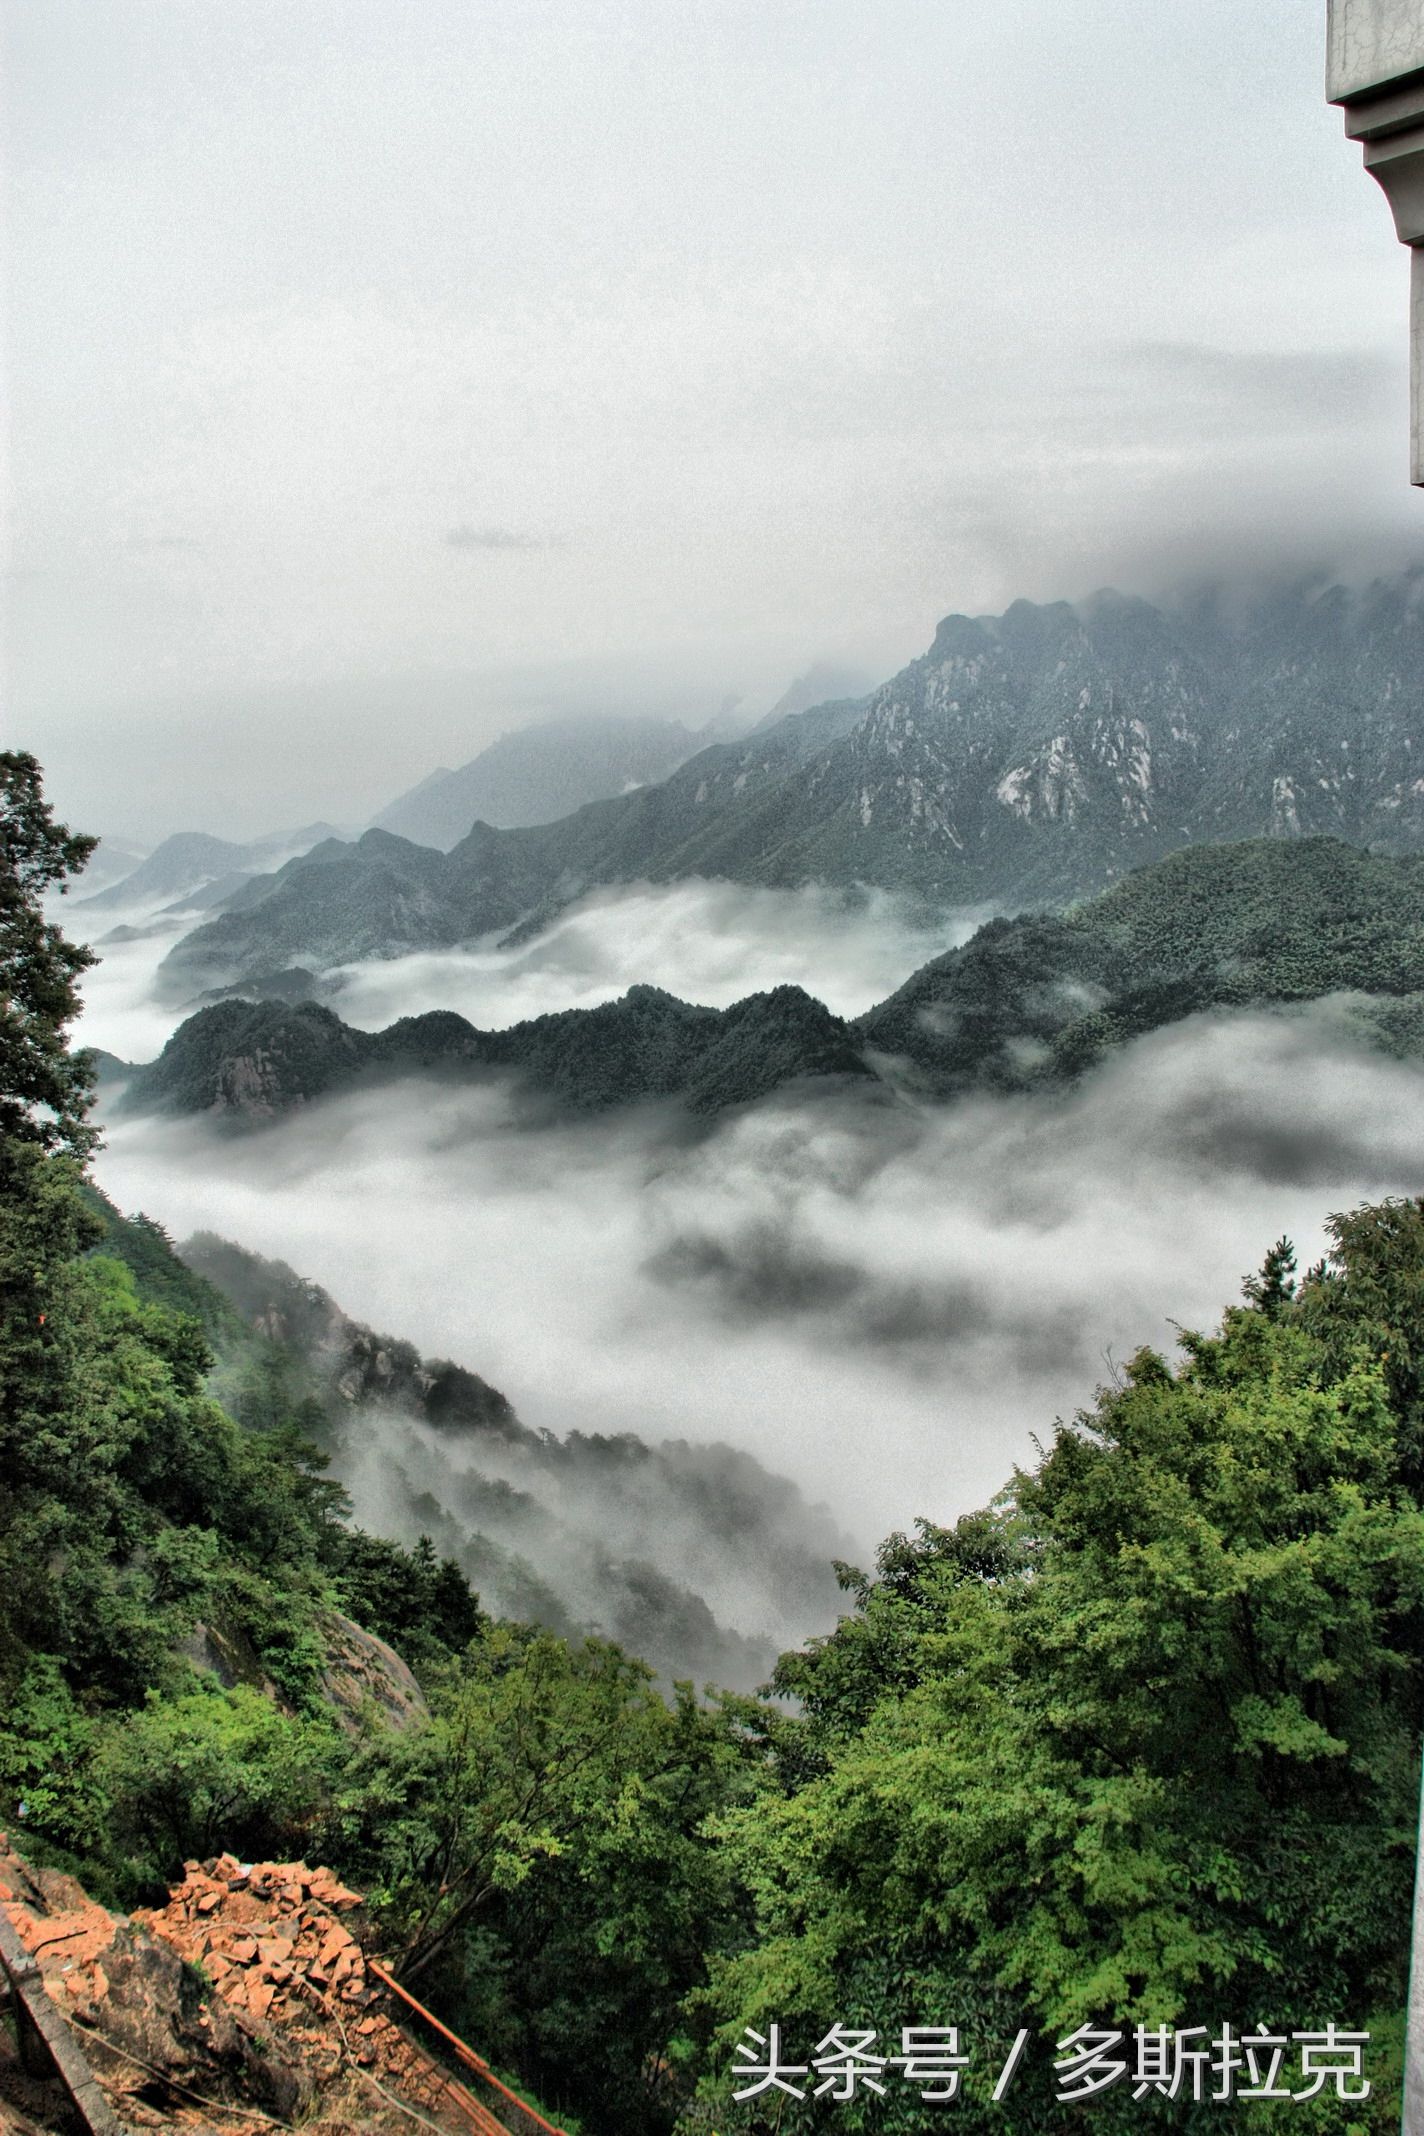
(1368, 1299)
(44, 1088)
(211, 1769)
(47, 1746)
(1139, 1746)
(538, 1853)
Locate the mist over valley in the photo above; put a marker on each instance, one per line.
(885, 1306)
(831, 1177)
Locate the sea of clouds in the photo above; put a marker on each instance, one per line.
(707, 942)
(887, 1303)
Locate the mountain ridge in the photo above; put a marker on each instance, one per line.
(192, 861)
(1034, 757)
(537, 774)
(541, 1522)
(1025, 1002)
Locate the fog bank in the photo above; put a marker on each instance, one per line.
(710, 942)
(884, 1303)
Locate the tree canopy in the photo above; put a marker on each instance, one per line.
(1140, 1744)
(44, 1086)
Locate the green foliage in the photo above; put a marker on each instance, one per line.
(302, 1049)
(1139, 1742)
(47, 1746)
(1142, 1744)
(1370, 1296)
(547, 1817)
(421, 1603)
(191, 1775)
(538, 1851)
(1042, 997)
(256, 1058)
(44, 1088)
(160, 1277)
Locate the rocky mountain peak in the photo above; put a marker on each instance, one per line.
(1032, 757)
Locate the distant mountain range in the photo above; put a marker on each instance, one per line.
(1033, 757)
(538, 774)
(110, 861)
(575, 1533)
(554, 767)
(1026, 1002)
(194, 868)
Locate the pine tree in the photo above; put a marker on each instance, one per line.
(1274, 1288)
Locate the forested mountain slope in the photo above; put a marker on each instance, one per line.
(1024, 1003)
(1232, 926)
(564, 1532)
(252, 1060)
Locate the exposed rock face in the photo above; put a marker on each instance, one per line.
(229, 1655)
(350, 1361)
(362, 1671)
(284, 1949)
(1035, 755)
(1044, 719)
(126, 1989)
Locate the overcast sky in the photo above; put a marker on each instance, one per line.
(383, 376)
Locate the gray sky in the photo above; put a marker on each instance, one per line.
(382, 376)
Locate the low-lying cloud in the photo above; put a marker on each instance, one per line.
(884, 1303)
(662, 1548)
(709, 942)
(119, 1013)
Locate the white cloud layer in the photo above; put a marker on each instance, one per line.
(709, 942)
(703, 941)
(884, 1304)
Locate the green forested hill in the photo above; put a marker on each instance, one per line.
(1027, 1001)
(559, 1531)
(1038, 998)
(1138, 1744)
(251, 1060)
(177, 1588)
